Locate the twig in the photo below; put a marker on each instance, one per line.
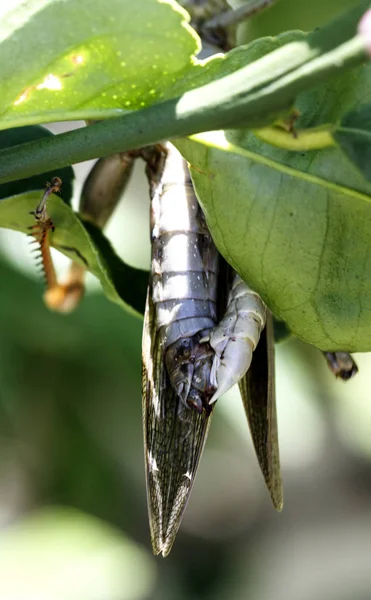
(232, 17)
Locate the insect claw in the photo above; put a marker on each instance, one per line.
(39, 232)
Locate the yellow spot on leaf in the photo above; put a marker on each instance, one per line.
(77, 59)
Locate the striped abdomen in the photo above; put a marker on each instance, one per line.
(184, 280)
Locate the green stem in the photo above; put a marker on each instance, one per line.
(251, 97)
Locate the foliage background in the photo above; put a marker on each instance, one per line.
(72, 488)
(71, 437)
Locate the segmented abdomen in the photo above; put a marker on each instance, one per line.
(236, 336)
(184, 280)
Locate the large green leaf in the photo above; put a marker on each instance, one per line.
(220, 65)
(62, 59)
(297, 226)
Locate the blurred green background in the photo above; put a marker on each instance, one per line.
(73, 513)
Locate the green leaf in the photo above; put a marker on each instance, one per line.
(62, 60)
(296, 226)
(130, 284)
(251, 96)
(84, 244)
(354, 137)
(220, 65)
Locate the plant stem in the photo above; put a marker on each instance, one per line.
(232, 17)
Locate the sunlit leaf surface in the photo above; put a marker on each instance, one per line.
(58, 59)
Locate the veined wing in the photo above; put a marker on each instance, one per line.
(257, 389)
(174, 438)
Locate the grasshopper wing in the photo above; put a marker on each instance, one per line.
(257, 389)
